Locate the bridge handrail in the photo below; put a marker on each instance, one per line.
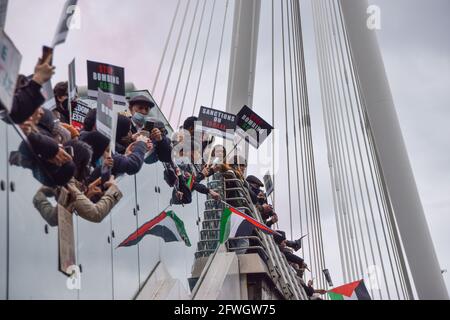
(289, 279)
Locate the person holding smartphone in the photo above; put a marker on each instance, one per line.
(28, 97)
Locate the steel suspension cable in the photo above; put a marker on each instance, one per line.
(325, 100)
(314, 258)
(286, 116)
(334, 163)
(293, 115)
(340, 127)
(175, 54)
(373, 179)
(166, 46)
(188, 43)
(382, 189)
(336, 138)
(273, 102)
(220, 52)
(302, 63)
(188, 80)
(204, 57)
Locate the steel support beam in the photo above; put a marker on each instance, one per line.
(241, 78)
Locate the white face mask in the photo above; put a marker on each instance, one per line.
(182, 161)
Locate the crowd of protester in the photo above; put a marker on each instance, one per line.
(81, 165)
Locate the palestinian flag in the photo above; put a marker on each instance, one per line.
(166, 225)
(353, 291)
(237, 224)
(190, 182)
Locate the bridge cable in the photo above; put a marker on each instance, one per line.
(342, 240)
(313, 180)
(373, 178)
(175, 54)
(343, 150)
(188, 80)
(188, 43)
(166, 46)
(220, 52)
(286, 117)
(204, 58)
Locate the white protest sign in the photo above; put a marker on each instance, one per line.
(10, 59)
(3, 12)
(70, 19)
(107, 115)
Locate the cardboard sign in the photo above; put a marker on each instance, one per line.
(110, 79)
(268, 183)
(66, 240)
(252, 127)
(10, 59)
(3, 12)
(217, 123)
(47, 92)
(327, 275)
(72, 83)
(68, 20)
(107, 115)
(79, 113)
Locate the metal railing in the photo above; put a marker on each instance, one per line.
(281, 272)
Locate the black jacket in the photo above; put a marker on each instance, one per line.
(26, 101)
(44, 146)
(163, 150)
(129, 165)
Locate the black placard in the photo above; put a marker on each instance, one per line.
(217, 122)
(108, 78)
(252, 127)
(79, 113)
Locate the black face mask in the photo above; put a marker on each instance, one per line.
(65, 105)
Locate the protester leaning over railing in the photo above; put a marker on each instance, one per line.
(28, 97)
(190, 176)
(89, 201)
(43, 155)
(311, 292)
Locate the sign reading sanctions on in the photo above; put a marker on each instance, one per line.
(217, 123)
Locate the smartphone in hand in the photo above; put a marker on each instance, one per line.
(105, 176)
(69, 151)
(46, 52)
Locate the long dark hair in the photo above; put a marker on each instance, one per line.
(82, 159)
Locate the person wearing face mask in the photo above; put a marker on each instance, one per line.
(188, 172)
(139, 108)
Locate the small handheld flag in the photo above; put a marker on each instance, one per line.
(237, 224)
(190, 183)
(353, 291)
(166, 225)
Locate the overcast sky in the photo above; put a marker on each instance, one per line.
(414, 41)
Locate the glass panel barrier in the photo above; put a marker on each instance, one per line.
(125, 260)
(95, 258)
(33, 260)
(148, 204)
(3, 212)
(177, 257)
